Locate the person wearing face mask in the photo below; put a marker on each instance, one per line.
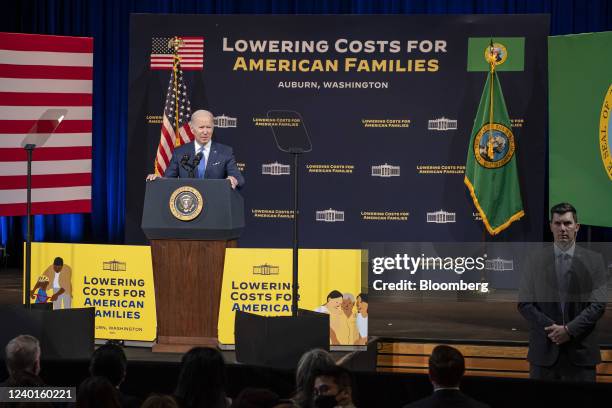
(562, 296)
(307, 368)
(333, 388)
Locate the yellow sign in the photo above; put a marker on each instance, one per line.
(115, 279)
(259, 281)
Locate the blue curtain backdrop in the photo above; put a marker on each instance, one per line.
(107, 22)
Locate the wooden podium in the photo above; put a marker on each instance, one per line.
(188, 255)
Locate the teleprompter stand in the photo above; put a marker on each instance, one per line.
(37, 137)
(280, 341)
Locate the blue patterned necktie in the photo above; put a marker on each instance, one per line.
(202, 164)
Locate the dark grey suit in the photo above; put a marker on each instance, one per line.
(447, 398)
(584, 303)
(220, 164)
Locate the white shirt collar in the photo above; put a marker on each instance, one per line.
(445, 388)
(198, 146)
(569, 251)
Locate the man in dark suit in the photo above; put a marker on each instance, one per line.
(446, 367)
(215, 160)
(562, 296)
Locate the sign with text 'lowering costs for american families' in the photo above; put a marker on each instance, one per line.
(115, 279)
(259, 281)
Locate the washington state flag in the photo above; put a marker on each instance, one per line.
(490, 172)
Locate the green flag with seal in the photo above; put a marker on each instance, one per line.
(580, 106)
(491, 173)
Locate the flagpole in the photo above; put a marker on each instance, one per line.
(483, 274)
(29, 148)
(492, 72)
(176, 43)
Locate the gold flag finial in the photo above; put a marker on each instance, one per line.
(175, 43)
(495, 54)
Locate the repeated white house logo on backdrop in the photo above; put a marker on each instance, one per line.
(442, 124)
(224, 121)
(275, 169)
(114, 265)
(499, 264)
(266, 269)
(330, 215)
(441, 217)
(385, 170)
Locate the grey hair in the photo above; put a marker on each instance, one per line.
(348, 296)
(201, 112)
(310, 363)
(22, 353)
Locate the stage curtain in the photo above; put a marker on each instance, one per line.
(107, 22)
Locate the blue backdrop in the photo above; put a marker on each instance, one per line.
(344, 201)
(107, 22)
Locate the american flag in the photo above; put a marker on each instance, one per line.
(168, 139)
(190, 51)
(45, 99)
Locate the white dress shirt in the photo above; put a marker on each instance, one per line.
(206, 149)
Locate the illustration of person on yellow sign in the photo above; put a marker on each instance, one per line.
(59, 276)
(41, 296)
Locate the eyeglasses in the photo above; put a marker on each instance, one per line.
(321, 389)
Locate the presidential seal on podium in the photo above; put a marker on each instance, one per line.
(186, 203)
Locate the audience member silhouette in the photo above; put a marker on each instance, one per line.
(97, 392)
(310, 363)
(256, 398)
(22, 356)
(109, 361)
(159, 401)
(202, 380)
(446, 368)
(333, 388)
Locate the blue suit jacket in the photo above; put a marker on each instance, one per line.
(221, 163)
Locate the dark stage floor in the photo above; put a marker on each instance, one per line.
(145, 354)
(495, 319)
(10, 286)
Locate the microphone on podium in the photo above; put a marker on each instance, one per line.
(197, 159)
(185, 163)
